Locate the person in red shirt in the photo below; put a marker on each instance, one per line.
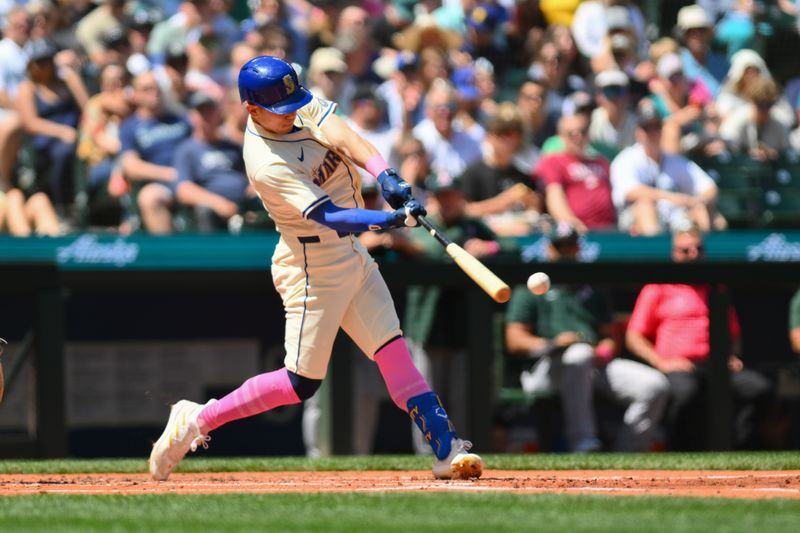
(577, 185)
(669, 329)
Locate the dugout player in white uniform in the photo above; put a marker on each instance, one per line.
(301, 158)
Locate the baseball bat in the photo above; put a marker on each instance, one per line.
(485, 278)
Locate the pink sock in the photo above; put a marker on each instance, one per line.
(401, 376)
(256, 395)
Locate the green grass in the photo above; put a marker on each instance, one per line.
(663, 461)
(391, 512)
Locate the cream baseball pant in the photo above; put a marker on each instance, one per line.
(327, 282)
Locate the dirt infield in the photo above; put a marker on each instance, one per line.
(727, 484)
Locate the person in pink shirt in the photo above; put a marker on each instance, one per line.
(669, 329)
(577, 185)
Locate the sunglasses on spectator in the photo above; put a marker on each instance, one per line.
(445, 108)
(577, 134)
(675, 78)
(765, 106)
(652, 127)
(552, 60)
(614, 91)
(686, 250)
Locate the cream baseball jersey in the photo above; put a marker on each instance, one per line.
(298, 171)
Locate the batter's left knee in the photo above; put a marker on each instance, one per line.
(304, 387)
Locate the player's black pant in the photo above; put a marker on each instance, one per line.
(687, 413)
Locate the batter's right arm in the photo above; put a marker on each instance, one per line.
(355, 219)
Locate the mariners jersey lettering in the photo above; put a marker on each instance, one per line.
(296, 172)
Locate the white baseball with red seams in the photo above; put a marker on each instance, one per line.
(539, 283)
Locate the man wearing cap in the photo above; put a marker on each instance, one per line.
(210, 170)
(612, 123)
(366, 118)
(567, 332)
(149, 138)
(301, 159)
(596, 20)
(699, 63)
(328, 77)
(654, 191)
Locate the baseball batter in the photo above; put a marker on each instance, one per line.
(301, 158)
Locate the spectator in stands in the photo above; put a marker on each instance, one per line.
(577, 185)
(13, 63)
(415, 166)
(435, 317)
(613, 124)
(669, 330)
(328, 78)
(367, 119)
(234, 118)
(737, 29)
(485, 34)
(354, 40)
(402, 91)
(92, 29)
(682, 104)
(23, 217)
(172, 35)
(202, 53)
(656, 191)
(149, 138)
(794, 323)
(568, 332)
(538, 123)
(596, 21)
(753, 129)
(495, 190)
(210, 169)
(699, 62)
(99, 143)
(171, 80)
(449, 150)
(551, 69)
(49, 105)
(747, 67)
(470, 117)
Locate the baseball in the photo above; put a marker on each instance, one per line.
(539, 283)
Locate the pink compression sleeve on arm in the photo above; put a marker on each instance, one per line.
(376, 164)
(256, 395)
(401, 376)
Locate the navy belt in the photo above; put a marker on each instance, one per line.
(315, 238)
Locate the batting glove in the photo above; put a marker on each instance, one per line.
(395, 191)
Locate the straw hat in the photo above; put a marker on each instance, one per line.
(424, 32)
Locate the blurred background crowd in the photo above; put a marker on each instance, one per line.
(610, 115)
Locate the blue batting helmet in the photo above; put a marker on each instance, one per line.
(272, 84)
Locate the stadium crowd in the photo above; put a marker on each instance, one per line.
(123, 115)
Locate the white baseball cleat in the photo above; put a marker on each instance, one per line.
(459, 464)
(181, 435)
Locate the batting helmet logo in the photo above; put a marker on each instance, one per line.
(271, 83)
(289, 84)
